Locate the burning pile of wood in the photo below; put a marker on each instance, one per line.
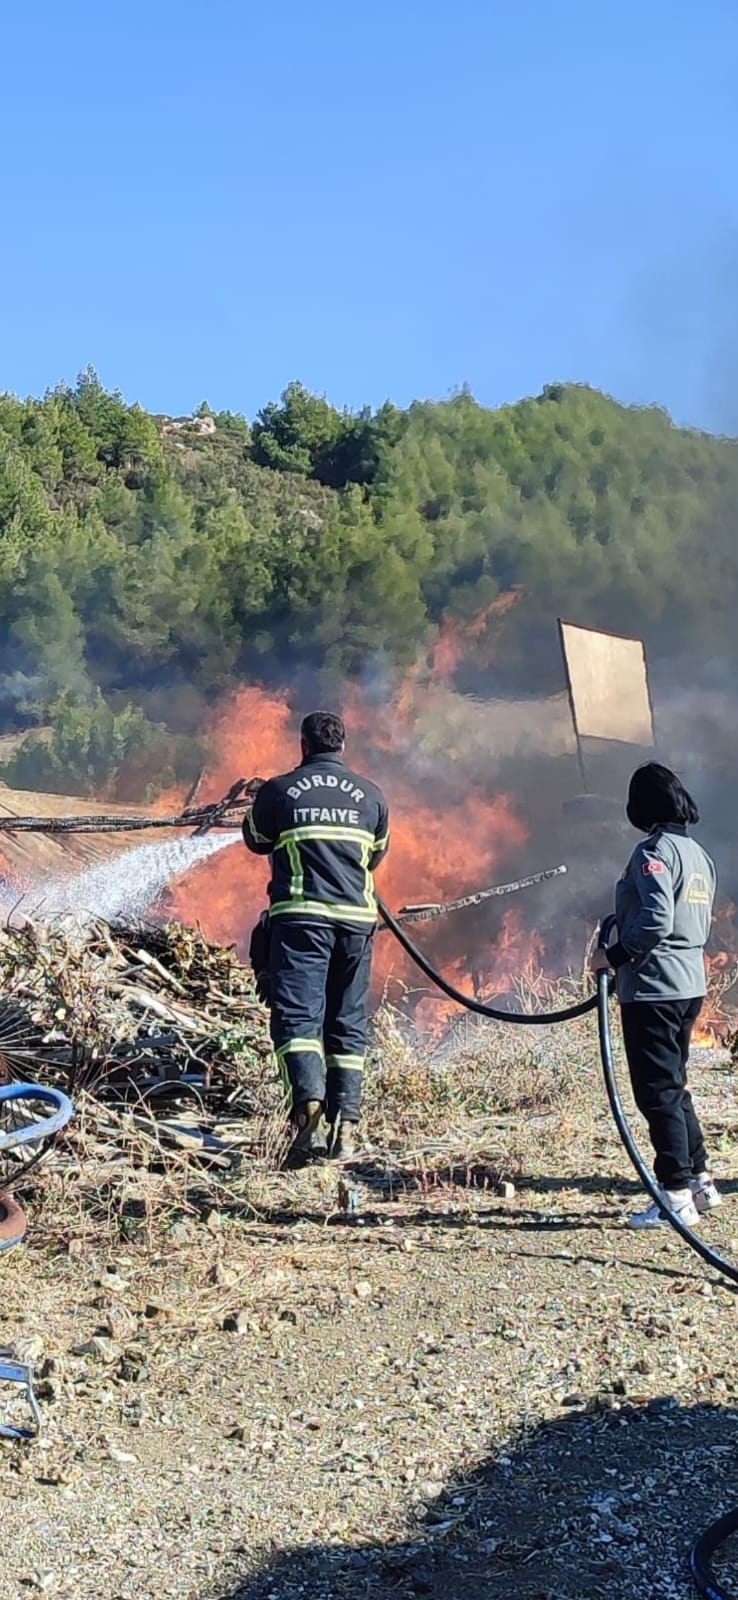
(144, 1014)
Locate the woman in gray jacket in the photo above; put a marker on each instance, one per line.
(663, 908)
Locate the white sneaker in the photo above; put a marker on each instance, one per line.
(705, 1193)
(677, 1200)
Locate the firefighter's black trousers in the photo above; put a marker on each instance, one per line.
(320, 975)
(656, 1041)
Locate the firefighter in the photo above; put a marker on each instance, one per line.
(663, 908)
(326, 830)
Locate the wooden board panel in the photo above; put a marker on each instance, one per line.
(609, 686)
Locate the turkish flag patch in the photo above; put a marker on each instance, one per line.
(651, 869)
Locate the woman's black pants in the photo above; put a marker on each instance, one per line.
(657, 1047)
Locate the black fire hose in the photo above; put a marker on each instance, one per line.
(533, 1018)
(703, 1550)
(700, 1559)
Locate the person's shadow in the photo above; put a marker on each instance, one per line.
(600, 1505)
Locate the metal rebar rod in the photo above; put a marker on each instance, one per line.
(431, 912)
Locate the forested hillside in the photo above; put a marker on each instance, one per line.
(146, 565)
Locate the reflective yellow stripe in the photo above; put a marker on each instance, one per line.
(331, 834)
(296, 881)
(345, 1063)
(330, 910)
(259, 838)
(381, 844)
(369, 900)
(283, 1075)
(295, 1046)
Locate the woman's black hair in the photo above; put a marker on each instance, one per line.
(658, 799)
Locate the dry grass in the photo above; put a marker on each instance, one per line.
(460, 1115)
(489, 1102)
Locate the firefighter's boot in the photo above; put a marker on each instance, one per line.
(308, 1143)
(343, 1143)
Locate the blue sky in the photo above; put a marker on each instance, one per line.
(206, 200)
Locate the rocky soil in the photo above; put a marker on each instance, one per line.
(448, 1393)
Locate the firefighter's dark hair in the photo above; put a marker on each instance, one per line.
(658, 798)
(323, 732)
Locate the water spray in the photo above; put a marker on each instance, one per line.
(133, 880)
(126, 885)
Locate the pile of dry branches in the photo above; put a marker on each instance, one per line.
(144, 1013)
(163, 1045)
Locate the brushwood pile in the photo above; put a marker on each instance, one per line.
(143, 1013)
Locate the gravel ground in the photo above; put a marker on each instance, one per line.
(452, 1394)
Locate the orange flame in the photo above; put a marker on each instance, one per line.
(447, 840)
(253, 735)
(493, 975)
(459, 640)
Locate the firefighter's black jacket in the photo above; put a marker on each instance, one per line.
(326, 830)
